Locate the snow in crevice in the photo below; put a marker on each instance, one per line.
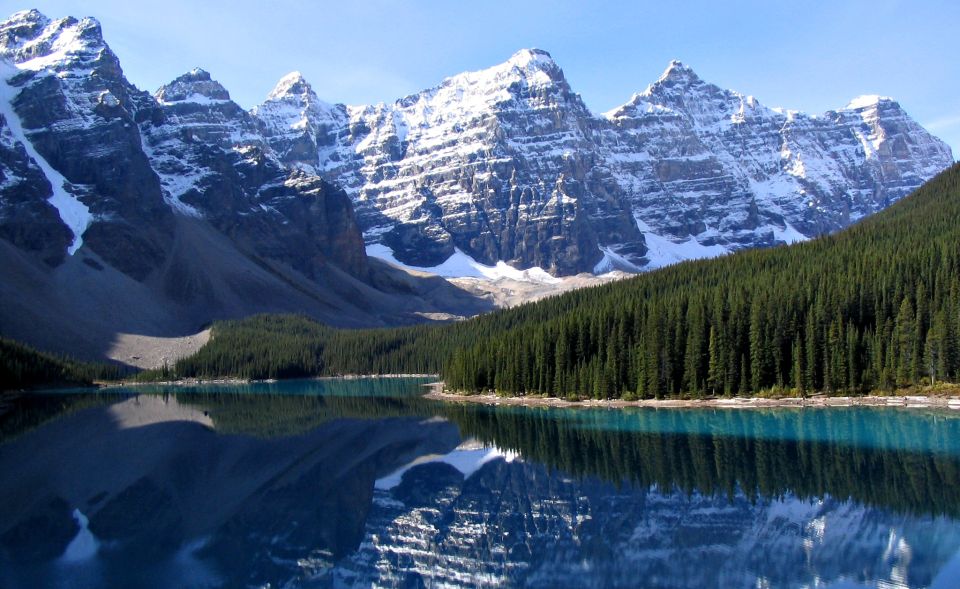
(75, 215)
(195, 98)
(612, 261)
(173, 185)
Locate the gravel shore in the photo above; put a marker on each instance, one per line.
(920, 401)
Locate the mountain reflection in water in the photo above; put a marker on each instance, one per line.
(362, 482)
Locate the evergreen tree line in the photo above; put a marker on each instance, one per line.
(22, 367)
(294, 346)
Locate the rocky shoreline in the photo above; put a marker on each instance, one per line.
(913, 401)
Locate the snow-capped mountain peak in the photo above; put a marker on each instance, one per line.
(677, 72)
(525, 68)
(535, 66)
(868, 101)
(91, 165)
(34, 42)
(504, 164)
(22, 28)
(292, 84)
(676, 82)
(532, 59)
(296, 122)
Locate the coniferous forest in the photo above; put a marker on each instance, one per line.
(23, 367)
(875, 307)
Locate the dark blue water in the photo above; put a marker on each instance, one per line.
(343, 483)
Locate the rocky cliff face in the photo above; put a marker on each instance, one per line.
(509, 164)
(214, 164)
(68, 108)
(717, 169)
(132, 162)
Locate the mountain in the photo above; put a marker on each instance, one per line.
(122, 212)
(508, 164)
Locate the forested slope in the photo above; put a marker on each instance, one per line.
(23, 367)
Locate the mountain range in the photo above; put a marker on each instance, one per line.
(125, 212)
(508, 164)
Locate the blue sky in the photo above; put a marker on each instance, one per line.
(810, 56)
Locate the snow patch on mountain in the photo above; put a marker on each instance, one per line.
(865, 101)
(176, 180)
(84, 545)
(460, 265)
(612, 261)
(663, 251)
(58, 40)
(73, 212)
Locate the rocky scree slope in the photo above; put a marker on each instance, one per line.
(509, 164)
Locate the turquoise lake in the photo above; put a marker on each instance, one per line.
(362, 482)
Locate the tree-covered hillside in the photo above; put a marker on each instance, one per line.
(875, 307)
(22, 367)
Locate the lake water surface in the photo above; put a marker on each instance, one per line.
(359, 483)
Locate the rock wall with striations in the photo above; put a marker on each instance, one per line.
(509, 164)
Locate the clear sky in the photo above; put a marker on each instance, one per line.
(805, 55)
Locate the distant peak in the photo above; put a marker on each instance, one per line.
(866, 101)
(292, 84)
(197, 74)
(196, 82)
(677, 71)
(20, 28)
(29, 36)
(527, 57)
(32, 15)
(535, 65)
